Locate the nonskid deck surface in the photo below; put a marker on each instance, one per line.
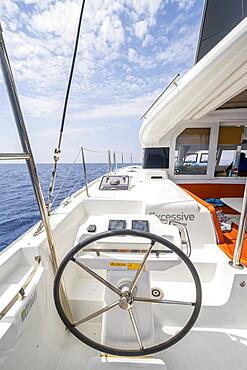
(200, 349)
(32, 324)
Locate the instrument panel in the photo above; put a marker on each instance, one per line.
(138, 225)
(117, 225)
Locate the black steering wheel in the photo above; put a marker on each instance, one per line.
(126, 298)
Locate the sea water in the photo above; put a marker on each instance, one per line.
(18, 207)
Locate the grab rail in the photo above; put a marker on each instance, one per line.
(14, 156)
(21, 292)
(157, 252)
(173, 81)
(241, 233)
(183, 232)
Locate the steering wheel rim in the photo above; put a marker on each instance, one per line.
(125, 352)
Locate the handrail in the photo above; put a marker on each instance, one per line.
(26, 147)
(173, 81)
(241, 233)
(13, 156)
(157, 252)
(184, 234)
(20, 295)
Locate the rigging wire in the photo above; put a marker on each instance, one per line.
(66, 178)
(106, 151)
(57, 150)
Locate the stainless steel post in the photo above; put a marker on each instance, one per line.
(20, 124)
(109, 162)
(85, 170)
(115, 161)
(241, 233)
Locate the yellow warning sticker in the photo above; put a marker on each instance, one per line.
(134, 266)
(128, 266)
(118, 264)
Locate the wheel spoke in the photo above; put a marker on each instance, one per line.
(95, 314)
(97, 277)
(139, 271)
(164, 301)
(134, 324)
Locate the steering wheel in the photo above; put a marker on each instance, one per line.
(126, 298)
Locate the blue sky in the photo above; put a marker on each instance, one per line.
(129, 50)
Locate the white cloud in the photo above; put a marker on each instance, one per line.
(116, 75)
(9, 6)
(38, 106)
(184, 4)
(124, 109)
(112, 31)
(141, 28)
(133, 56)
(150, 7)
(180, 50)
(60, 19)
(148, 40)
(83, 129)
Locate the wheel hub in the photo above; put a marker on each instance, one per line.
(126, 300)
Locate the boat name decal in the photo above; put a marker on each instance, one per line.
(175, 216)
(25, 311)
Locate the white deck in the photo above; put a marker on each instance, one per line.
(39, 340)
(234, 203)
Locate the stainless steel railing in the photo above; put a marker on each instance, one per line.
(111, 161)
(28, 156)
(236, 261)
(20, 294)
(173, 82)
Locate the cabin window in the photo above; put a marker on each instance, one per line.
(231, 158)
(204, 158)
(191, 152)
(156, 157)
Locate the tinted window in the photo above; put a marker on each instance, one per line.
(156, 158)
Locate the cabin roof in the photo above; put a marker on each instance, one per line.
(217, 81)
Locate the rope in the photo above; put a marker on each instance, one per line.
(105, 151)
(57, 150)
(95, 151)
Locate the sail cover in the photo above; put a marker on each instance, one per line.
(219, 18)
